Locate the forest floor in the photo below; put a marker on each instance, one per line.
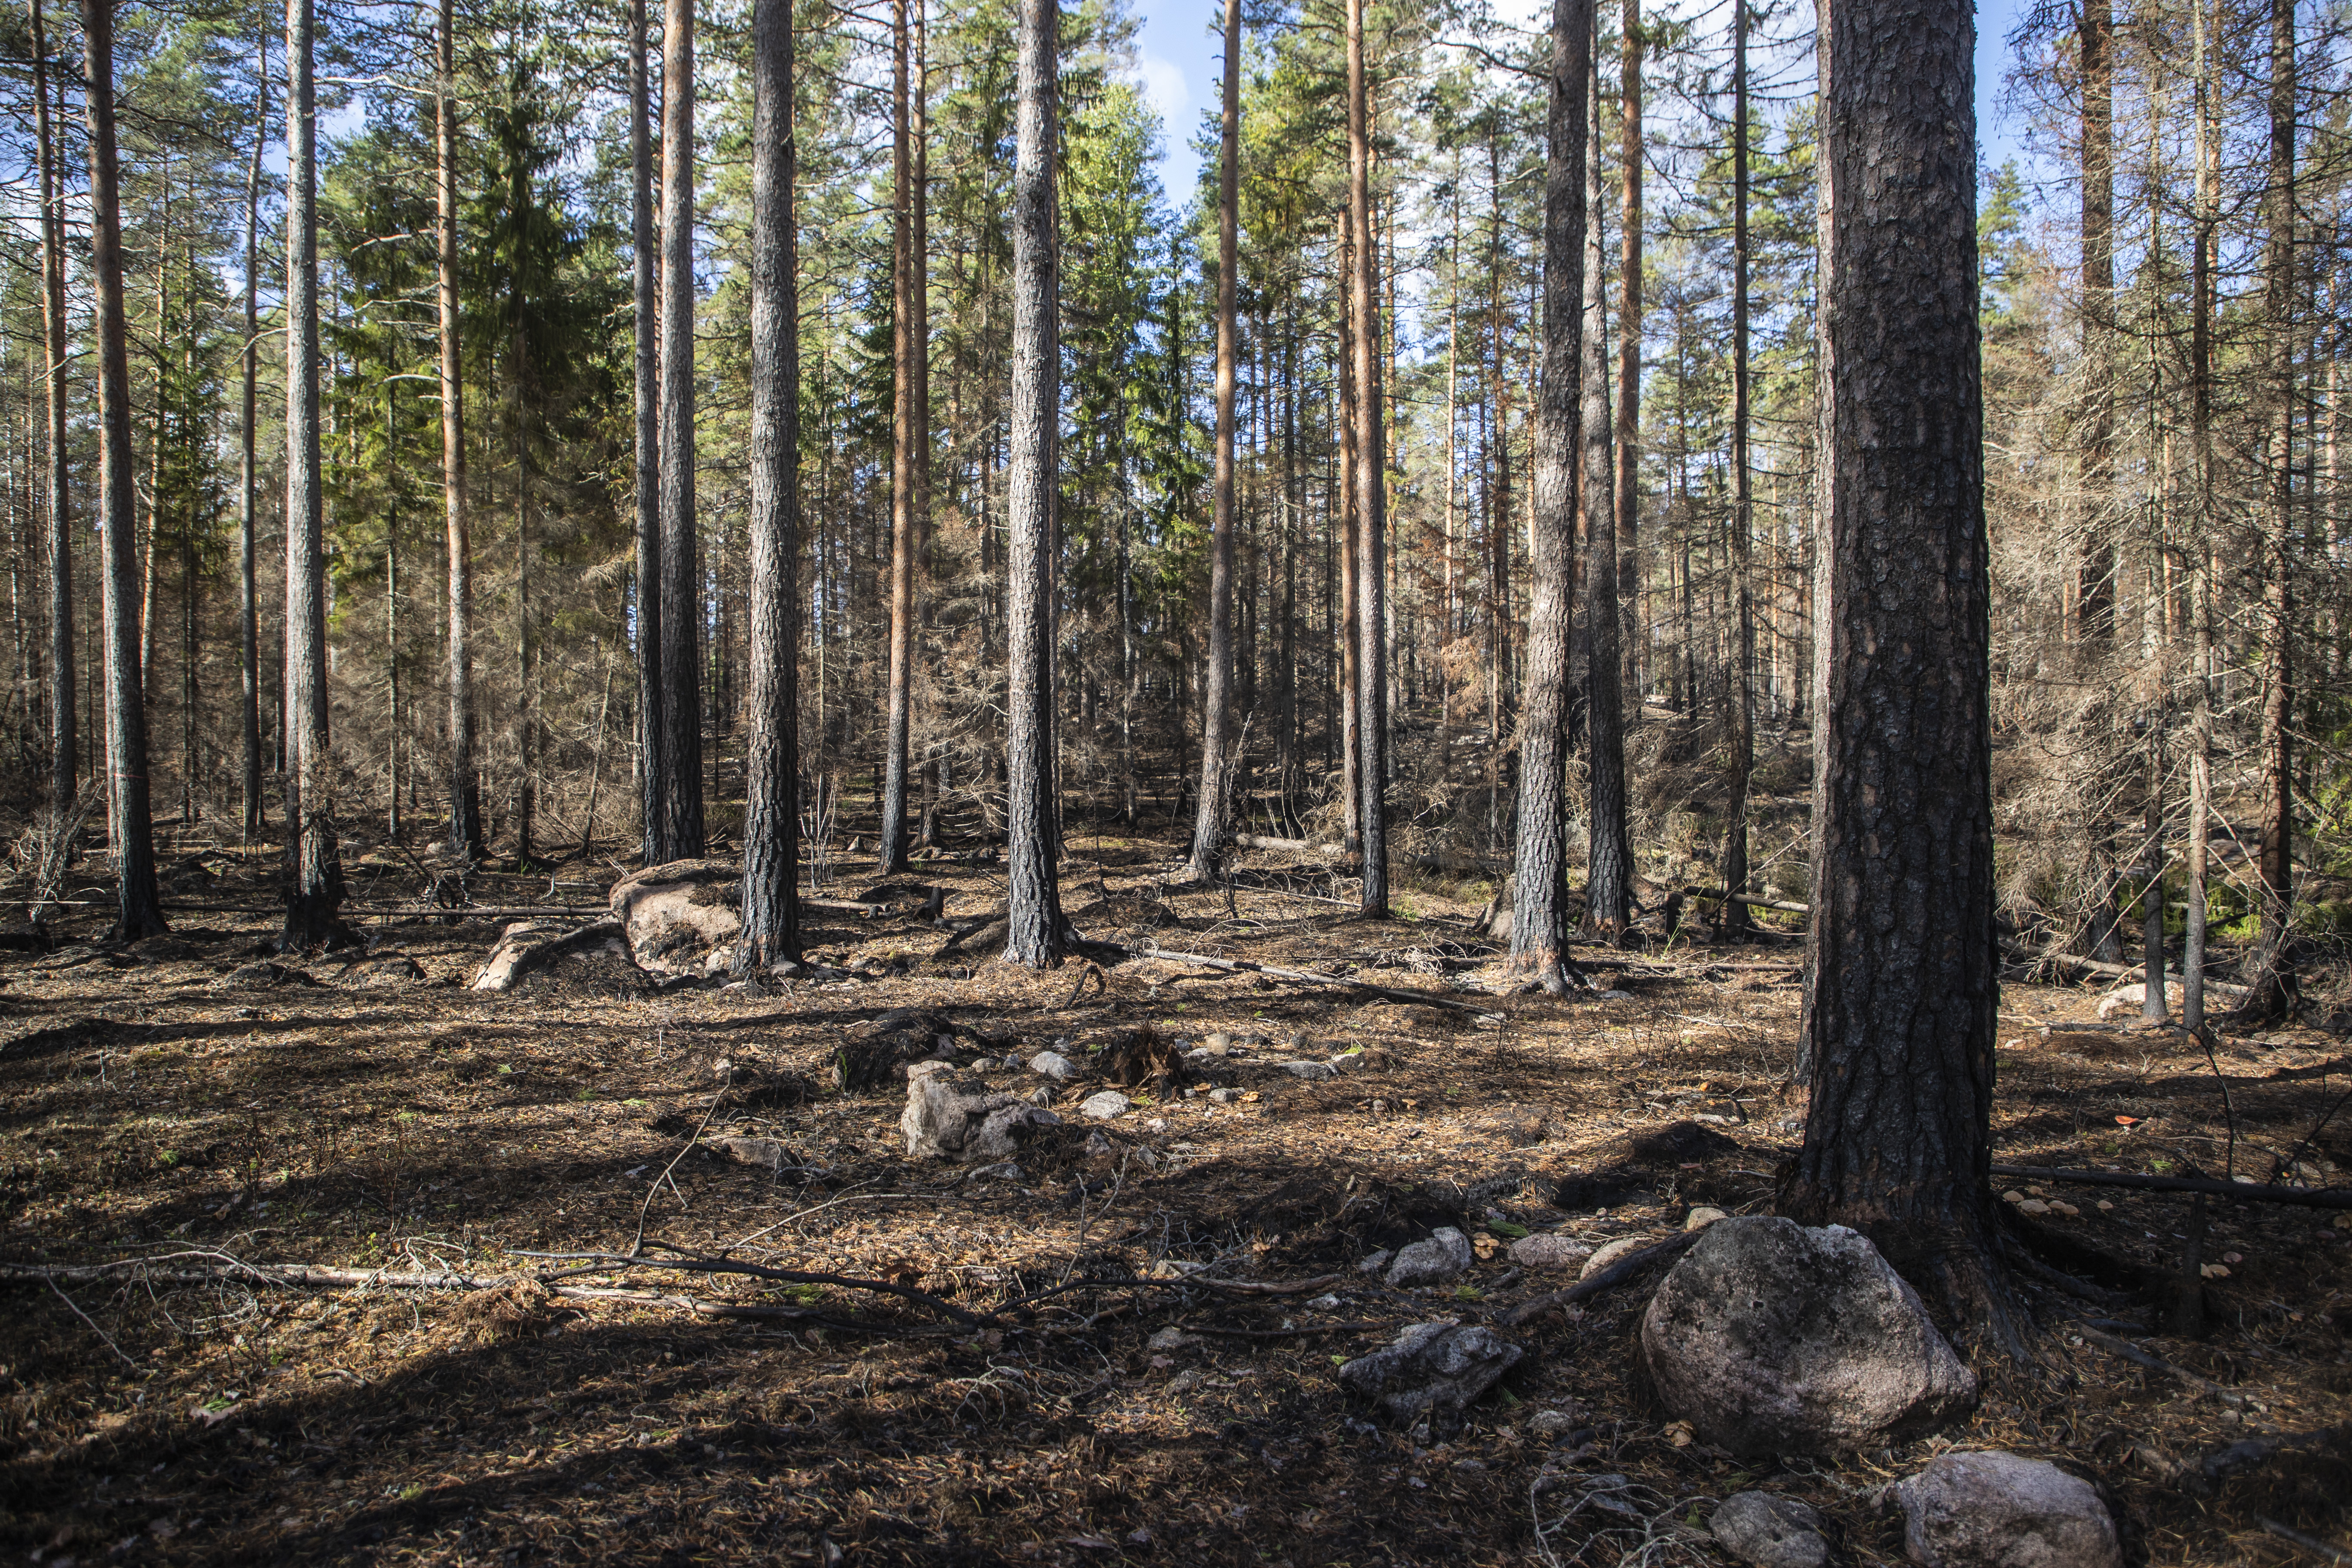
(166, 1104)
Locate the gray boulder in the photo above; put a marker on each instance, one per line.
(1770, 1338)
(1443, 1257)
(1103, 1105)
(678, 916)
(533, 955)
(1053, 1064)
(1994, 1509)
(1548, 1251)
(1768, 1532)
(1432, 1369)
(954, 1115)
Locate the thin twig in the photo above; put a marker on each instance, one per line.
(637, 1243)
(75, 1307)
(2309, 1544)
(2138, 1357)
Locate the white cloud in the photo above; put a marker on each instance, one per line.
(1165, 89)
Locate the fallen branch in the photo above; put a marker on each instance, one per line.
(2308, 1543)
(2248, 1192)
(1753, 901)
(1289, 1333)
(1609, 1278)
(690, 1263)
(2244, 1455)
(2138, 1357)
(2100, 969)
(1306, 977)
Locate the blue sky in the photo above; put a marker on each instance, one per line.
(1178, 65)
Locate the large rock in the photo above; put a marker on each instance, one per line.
(1770, 1338)
(954, 1115)
(1992, 1510)
(1432, 1369)
(532, 955)
(1768, 1532)
(682, 917)
(1443, 1257)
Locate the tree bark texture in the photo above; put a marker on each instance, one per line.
(1036, 933)
(65, 762)
(2095, 588)
(653, 776)
(772, 774)
(680, 834)
(904, 457)
(1609, 856)
(317, 891)
(1211, 824)
(464, 835)
(1741, 717)
(1370, 486)
(1540, 924)
(1632, 154)
(1904, 973)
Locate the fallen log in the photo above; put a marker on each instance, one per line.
(2101, 969)
(1308, 977)
(2138, 1357)
(2247, 1192)
(1609, 1278)
(1753, 901)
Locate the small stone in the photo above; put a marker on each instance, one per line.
(1105, 1105)
(1217, 1045)
(1548, 1251)
(1703, 1217)
(1550, 1425)
(1053, 1064)
(1768, 1532)
(1615, 996)
(1995, 1509)
(1375, 1263)
(1171, 1339)
(1156, 1124)
(1348, 1061)
(1309, 1069)
(1301, 1041)
(1185, 1381)
(1439, 1260)
(1432, 1369)
(1041, 1097)
(1225, 1096)
(1324, 1304)
(1616, 1251)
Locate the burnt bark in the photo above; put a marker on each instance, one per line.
(770, 799)
(1036, 934)
(1209, 828)
(1370, 491)
(679, 834)
(904, 457)
(1609, 854)
(1631, 155)
(316, 893)
(464, 835)
(1741, 715)
(2095, 578)
(249, 598)
(653, 775)
(1904, 973)
(64, 742)
(1541, 921)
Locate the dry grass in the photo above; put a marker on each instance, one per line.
(147, 1111)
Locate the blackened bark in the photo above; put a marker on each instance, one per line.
(770, 797)
(1209, 826)
(1741, 717)
(465, 836)
(317, 891)
(894, 845)
(1370, 491)
(249, 598)
(1540, 922)
(680, 834)
(653, 774)
(1609, 857)
(1036, 934)
(2095, 587)
(1903, 974)
(1631, 155)
(64, 742)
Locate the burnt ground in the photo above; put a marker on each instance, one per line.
(163, 1105)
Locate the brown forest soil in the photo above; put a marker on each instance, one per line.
(148, 1111)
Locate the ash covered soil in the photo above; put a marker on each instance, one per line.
(178, 1111)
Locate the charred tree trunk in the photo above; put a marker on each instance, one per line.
(2095, 578)
(1629, 355)
(465, 836)
(248, 600)
(64, 741)
(1742, 705)
(1036, 934)
(681, 833)
(1904, 976)
(316, 894)
(653, 771)
(1541, 926)
(1371, 488)
(772, 774)
(893, 845)
(1216, 721)
(1609, 858)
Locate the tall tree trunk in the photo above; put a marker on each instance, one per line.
(680, 834)
(1036, 934)
(2094, 582)
(526, 713)
(464, 838)
(1904, 976)
(892, 848)
(248, 478)
(1540, 924)
(1216, 721)
(772, 759)
(317, 893)
(1350, 640)
(64, 742)
(138, 912)
(1371, 488)
(1629, 347)
(1498, 508)
(1742, 714)
(1609, 859)
(2273, 992)
(2200, 586)
(653, 775)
